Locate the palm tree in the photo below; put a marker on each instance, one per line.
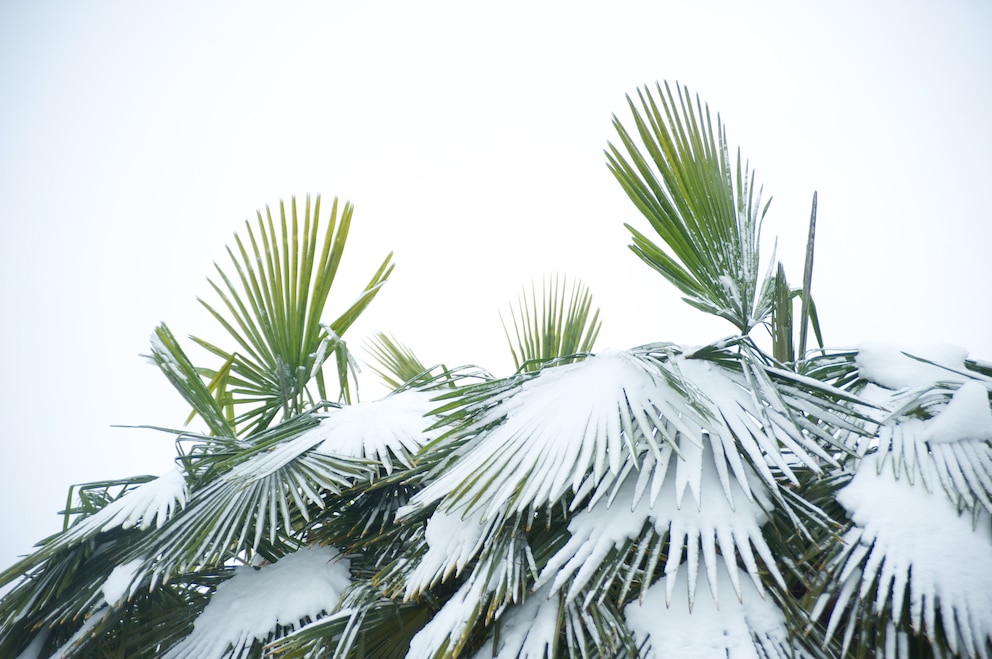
(746, 498)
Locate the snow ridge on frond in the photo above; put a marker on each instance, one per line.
(890, 562)
(249, 606)
(392, 428)
(702, 522)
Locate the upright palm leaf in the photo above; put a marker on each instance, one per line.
(706, 214)
(561, 326)
(275, 303)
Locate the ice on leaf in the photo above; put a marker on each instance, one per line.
(250, 605)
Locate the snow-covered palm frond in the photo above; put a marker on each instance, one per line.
(910, 559)
(529, 631)
(451, 543)
(613, 543)
(939, 428)
(527, 442)
(366, 625)
(257, 604)
(931, 459)
(148, 505)
(392, 429)
(536, 437)
(502, 570)
(268, 490)
(751, 625)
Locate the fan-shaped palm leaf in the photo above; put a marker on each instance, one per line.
(706, 215)
(274, 305)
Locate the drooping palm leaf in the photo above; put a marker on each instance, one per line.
(708, 216)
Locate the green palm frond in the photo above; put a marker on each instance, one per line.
(707, 215)
(397, 364)
(272, 306)
(560, 327)
(169, 356)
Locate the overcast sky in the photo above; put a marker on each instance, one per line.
(135, 139)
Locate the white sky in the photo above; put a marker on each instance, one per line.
(136, 138)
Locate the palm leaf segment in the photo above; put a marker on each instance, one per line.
(707, 214)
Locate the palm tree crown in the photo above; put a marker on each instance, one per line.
(728, 500)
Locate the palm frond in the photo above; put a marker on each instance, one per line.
(528, 441)
(562, 326)
(273, 307)
(894, 578)
(708, 216)
(257, 605)
(397, 364)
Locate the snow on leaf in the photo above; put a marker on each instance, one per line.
(451, 623)
(750, 627)
(911, 547)
(150, 503)
(67, 649)
(554, 429)
(967, 416)
(704, 521)
(117, 587)
(452, 543)
(953, 447)
(528, 631)
(248, 606)
(894, 368)
(383, 430)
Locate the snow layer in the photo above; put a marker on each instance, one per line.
(452, 542)
(118, 585)
(147, 504)
(967, 416)
(700, 522)
(750, 628)
(527, 631)
(559, 426)
(889, 365)
(249, 605)
(922, 550)
(382, 430)
(450, 623)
